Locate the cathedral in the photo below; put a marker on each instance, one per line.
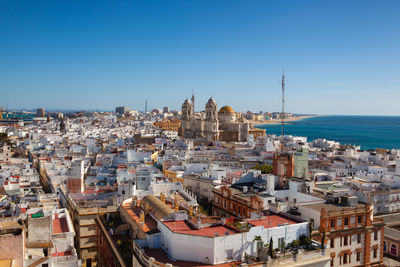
(213, 125)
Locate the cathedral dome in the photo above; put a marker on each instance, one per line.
(226, 109)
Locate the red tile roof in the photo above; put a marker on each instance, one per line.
(60, 225)
(183, 227)
(271, 221)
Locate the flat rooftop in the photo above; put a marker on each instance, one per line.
(160, 256)
(391, 219)
(334, 207)
(271, 221)
(184, 227)
(60, 225)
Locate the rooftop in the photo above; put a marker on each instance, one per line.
(391, 219)
(134, 212)
(336, 208)
(271, 221)
(60, 225)
(392, 233)
(184, 227)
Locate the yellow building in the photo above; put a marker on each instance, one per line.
(174, 174)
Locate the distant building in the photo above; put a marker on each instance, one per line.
(283, 167)
(223, 125)
(230, 201)
(40, 113)
(75, 180)
(122, 110)
(168, 125)
(301, 162)
(166, 109)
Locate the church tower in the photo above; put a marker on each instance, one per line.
(211, 122)
(211, 110)
(187, 110)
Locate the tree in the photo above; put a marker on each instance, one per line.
(264, 168)
(323, 239)
(271, 248)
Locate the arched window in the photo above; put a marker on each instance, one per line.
(384, 246)
(393, 250)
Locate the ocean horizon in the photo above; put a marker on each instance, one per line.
(369, 132)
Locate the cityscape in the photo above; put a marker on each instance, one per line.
(199, 133)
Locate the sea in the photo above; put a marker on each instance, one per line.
(369, 132)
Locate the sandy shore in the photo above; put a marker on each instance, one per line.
(288, 120)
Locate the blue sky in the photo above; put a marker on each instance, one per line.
(340, 57)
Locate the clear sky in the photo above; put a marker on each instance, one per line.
(340, 57)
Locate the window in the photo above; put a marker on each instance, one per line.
(345, 240)
(332, 242)
(376, 235)
(229, 254)
(346, 221)
(332, 223)
(375, 253)
(393, 250)
(359, 219)
(344, 258)
(384, 246)
(359, 238)
(358, 256)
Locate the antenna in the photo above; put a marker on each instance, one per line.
(145, 106)
(193, 99)
(283, 105)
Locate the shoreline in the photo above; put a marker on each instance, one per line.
(278, 121)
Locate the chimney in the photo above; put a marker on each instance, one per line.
(142, 216)
(198, 222)
(176, 208)
(270, 184)
(191, 211)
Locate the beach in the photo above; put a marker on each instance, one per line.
(288, 120)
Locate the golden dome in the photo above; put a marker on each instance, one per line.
(226, 109)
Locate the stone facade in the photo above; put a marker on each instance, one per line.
(213, 125)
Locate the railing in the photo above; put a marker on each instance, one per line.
(65, 258)
(145, 260)
(289, 260)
